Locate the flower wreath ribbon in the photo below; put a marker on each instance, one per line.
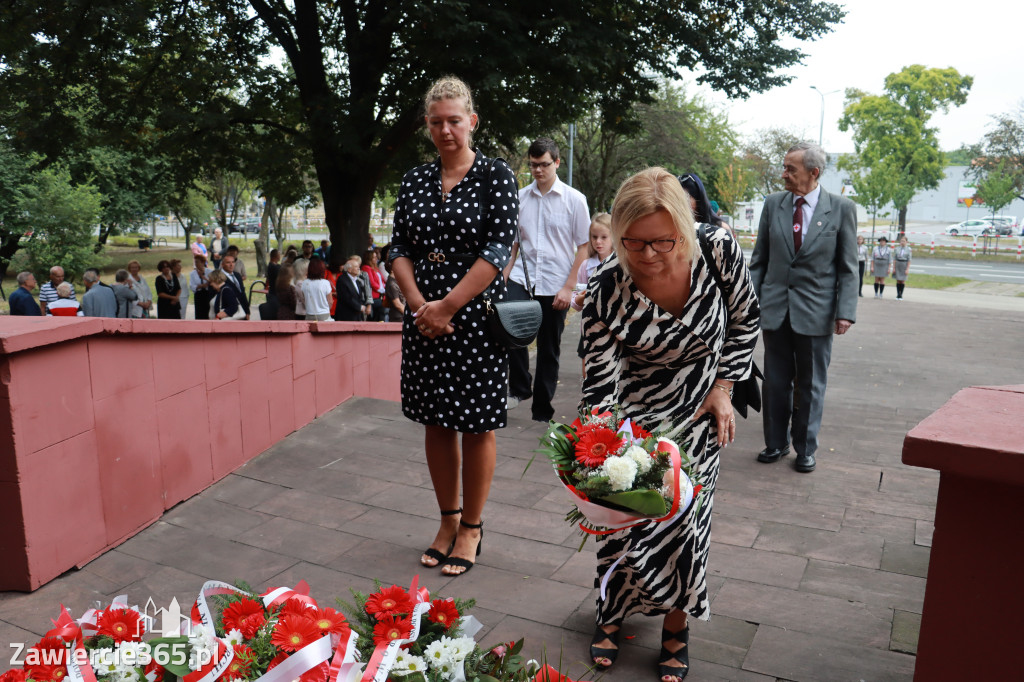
(69, 630)
(383, 659)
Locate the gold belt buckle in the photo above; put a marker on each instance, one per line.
(435, 257)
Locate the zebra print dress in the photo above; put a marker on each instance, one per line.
(659, 368)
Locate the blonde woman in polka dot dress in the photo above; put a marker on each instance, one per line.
(454, 223)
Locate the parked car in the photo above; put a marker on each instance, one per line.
(969, 227)
(1002, 224)
(250, 225)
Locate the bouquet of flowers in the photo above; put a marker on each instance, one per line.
(233, 634)
(617, 473)
(406, 637)
(107, 645)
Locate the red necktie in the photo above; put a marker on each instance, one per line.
(798, 223)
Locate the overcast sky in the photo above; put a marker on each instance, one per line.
(982, 38)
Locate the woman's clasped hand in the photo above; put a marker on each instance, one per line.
(433, 319)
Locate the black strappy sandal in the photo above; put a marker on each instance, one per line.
(601, 652)
(458, 562)
(681, 656)
(435, 554)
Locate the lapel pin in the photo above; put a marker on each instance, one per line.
(819, 223)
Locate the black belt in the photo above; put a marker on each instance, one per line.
(441, 257)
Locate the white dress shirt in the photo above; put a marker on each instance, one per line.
(551, 227)
(810, 203)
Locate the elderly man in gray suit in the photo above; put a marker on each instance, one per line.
(804, 270)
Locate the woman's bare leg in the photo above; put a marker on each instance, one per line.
(479, 452)
(443, 460)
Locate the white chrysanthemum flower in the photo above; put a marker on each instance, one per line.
(134, 654)
(406, 664)
(461, 647)
(204, 646)
(438, 652)
(103, 661)
(234, 637)
(640, 456)
(124, 673)
(621, 471)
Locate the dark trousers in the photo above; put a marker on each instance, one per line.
(549, 340)
(860, 282)
(792, 359)
(201, 301)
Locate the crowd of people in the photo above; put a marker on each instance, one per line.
(670, 312)
(301, 285)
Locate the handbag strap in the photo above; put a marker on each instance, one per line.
(709, 258)
(519, 251)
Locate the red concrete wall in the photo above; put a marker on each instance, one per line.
(105, 424)
(974, 441)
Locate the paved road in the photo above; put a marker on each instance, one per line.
(1012, 273)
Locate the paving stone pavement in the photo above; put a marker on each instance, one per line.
(813, 577)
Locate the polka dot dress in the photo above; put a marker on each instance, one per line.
(458, 381)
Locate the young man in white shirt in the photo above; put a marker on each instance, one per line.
(554, 225)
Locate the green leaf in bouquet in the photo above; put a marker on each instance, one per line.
(646, 502)
(172, 653)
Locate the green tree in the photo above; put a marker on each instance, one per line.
(872, 186)
(763, 154)
(191, 207)
(358, 69)
(893, 127)
(63, 217)
(680, 133)
(733, 186)
(998, 188)
(14, 174)
(1004, 144)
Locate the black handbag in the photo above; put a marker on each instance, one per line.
(747, 392)
(514, 323)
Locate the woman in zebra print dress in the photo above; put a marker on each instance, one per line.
(662, 342)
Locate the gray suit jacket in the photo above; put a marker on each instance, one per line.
(817, 286)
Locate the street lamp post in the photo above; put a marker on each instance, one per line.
(821, 125)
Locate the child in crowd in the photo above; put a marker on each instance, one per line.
(600, 248)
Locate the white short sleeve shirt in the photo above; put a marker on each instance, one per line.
(551, 227)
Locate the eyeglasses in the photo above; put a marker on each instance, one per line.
(659, 245)
(542, 164)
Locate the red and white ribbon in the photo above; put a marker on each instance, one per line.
(383, 658)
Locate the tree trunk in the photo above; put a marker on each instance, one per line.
(101, 240)
(264, 238)
(347, 208)
(9, 246)
(903, 220)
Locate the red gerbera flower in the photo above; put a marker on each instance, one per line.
(317, 674)
(14, 675)
(47, 661)
(391, 628)
(156, 669)
(595, 445)
(241, 663)
(639, 431)
(246, 616)
(124, 625)
(293, 632)
(389, 601)
(330, 622)
(293, 606)
(443, 611)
